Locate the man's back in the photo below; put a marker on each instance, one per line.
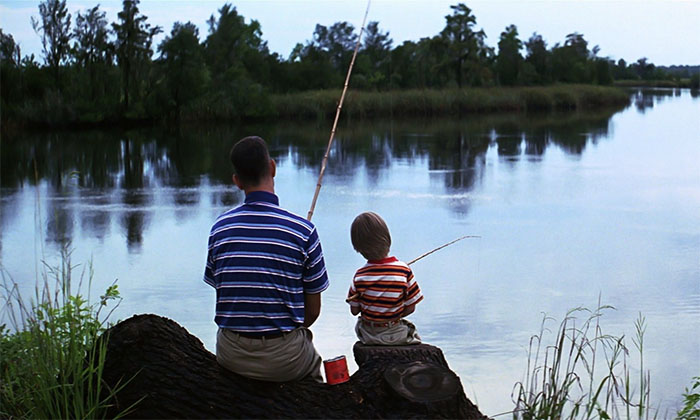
(262, 260)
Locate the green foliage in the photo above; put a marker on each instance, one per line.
(582, 374)
(691, 402)
(570, 61)
(182, 58)
(54, 29)
(134, 38)
(465, 46)
(51, 361)
(110, 76)
(508, 61)
(540, 60)
(695, 81)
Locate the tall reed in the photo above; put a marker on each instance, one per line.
(51, 357)
(447, 102)
(583, 374)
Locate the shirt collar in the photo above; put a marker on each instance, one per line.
(383, 260)
(257, 196)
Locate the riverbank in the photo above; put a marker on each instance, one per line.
(447, 102)
(322, 105)
(680, 84)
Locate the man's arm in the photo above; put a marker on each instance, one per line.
(312, 308)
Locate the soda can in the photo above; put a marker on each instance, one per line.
(336, 370)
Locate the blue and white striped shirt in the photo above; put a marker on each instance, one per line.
(262, 259)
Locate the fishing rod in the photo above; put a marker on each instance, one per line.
(337, 115)
(442, 246)
(356, 295)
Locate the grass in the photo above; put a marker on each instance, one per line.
(446, 102)
(51, 360)
(583, 373)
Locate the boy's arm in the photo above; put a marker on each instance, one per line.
(355, 309)
(408, 310)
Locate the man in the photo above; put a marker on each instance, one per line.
(267, 267)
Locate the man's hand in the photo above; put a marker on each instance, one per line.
(312, 308)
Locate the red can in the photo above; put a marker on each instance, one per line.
(336, 370)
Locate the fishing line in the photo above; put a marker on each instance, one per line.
(337, 115)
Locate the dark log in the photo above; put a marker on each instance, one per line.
(172, 375)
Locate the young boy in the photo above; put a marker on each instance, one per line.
(383, 291)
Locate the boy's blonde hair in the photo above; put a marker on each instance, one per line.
(370, 236)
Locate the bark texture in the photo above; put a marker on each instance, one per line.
(172, 375)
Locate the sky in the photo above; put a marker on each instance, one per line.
(666, 32)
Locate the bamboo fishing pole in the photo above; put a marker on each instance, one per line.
(337, 115)
(356, 295)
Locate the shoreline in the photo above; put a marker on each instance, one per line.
(322, 105)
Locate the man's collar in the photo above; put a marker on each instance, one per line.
(257, 196)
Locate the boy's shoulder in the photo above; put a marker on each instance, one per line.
(390, 263)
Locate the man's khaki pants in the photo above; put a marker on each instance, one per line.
(281, 359)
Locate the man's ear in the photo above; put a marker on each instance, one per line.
(238, 182)
(273, 168)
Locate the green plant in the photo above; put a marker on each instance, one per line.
(691, 402)
(583, 374)
(52, 358)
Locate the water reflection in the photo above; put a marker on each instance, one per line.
(645, 99)
(129, 170)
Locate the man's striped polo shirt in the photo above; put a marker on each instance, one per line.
(262, 259)
(386, 288)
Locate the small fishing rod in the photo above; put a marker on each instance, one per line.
(337, 115)
(356, 295)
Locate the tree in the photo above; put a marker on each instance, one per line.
(338, 42)
(11, 89)
(54, 30)
(375, 55)
(643, 69)
(539, 58)
(182, 58)
(9, 50)
(570, 62)
(509, 60)
(91, 38)
(602, 70)
(237, 58)
(464, 44)
(232, 43)
(133, 46)
(92, 48)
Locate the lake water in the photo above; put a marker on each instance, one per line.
(568, 207)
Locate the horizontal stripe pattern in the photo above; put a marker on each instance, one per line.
(385, 288)
(261, 260)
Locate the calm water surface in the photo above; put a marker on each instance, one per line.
(569, 207)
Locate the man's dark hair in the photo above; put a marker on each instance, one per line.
(250, 160)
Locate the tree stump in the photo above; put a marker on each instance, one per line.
(172, 375)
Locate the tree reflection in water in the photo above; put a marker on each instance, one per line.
(118, 173)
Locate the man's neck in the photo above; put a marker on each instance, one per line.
(265, 186)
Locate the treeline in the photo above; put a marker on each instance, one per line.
(94, 71)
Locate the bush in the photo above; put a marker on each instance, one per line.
(51, 360)
(691, 402)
